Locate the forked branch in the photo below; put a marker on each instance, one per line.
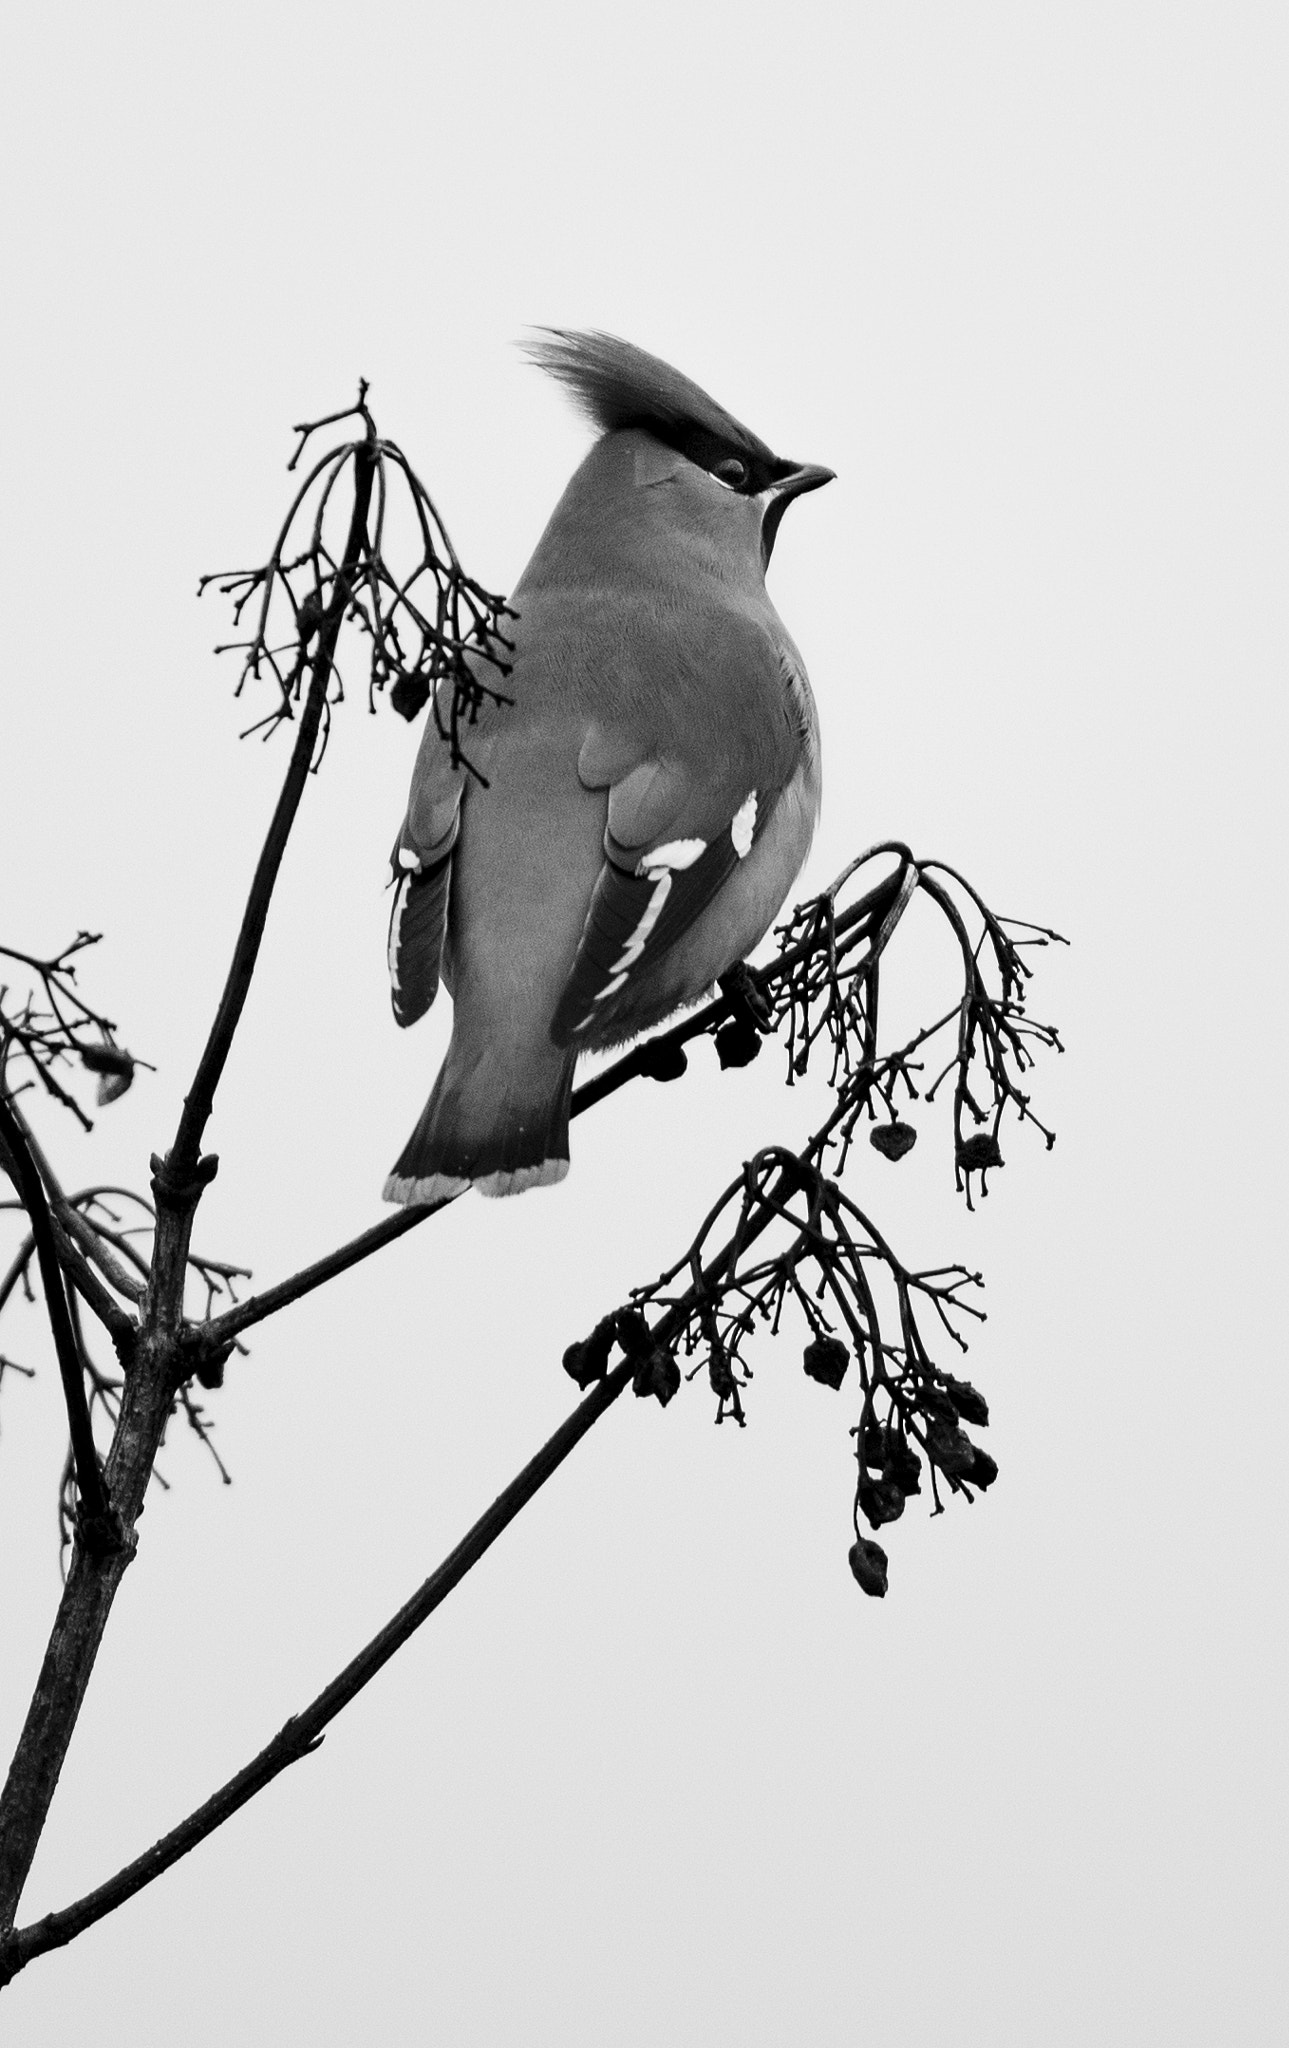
(783, 1237)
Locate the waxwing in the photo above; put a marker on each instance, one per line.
(637, 814)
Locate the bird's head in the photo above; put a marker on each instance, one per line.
(624, 390)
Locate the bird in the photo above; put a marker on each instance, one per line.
(631, 821)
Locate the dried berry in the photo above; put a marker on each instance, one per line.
(825, 1360)
(868, 1563)
(106, 1059)
(893, 1455)
(971, 1406)
(589, 1360)
(409, 693)
(662, 1061)
(657, 1373)
(893, 1140)
(720, 1374)
(738, 1042)
(976, 1154)
(902, 1464)
(933, 1401)
(114, 1067)
(983, 1471)
(631, 1330)
(880, 1500)
(952, 1449)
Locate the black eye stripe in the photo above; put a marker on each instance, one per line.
(743, 470)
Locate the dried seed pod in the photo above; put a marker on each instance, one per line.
(971, 1406)
(825, 1360)
(868, 1563)
(880, 1500)
(893, 1140)
(409, 693)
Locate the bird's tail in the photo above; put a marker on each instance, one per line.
(497, 1121)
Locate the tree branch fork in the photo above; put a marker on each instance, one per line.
(823, 984)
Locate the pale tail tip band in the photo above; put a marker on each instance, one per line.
(442, 1187)
(417, 1194)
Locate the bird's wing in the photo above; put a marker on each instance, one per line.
(422, 872)
(681, 818)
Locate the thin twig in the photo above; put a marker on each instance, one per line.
(201, 1096)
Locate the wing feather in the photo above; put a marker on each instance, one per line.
(422, 865)
(636, 916)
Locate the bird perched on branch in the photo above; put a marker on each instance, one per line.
(642, 806)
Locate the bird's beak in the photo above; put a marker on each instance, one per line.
(807, 476)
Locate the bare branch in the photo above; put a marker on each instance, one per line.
(98, 1524)
(304, 1731)
(119, 1324)
(96, 1242)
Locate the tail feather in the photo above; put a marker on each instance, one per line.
(499, 1124)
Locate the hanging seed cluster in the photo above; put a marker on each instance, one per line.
(787, 1236)
(432, 633)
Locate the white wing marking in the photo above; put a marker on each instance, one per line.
(678, 853)
(395, 923)
(636, 943)
(743, 826)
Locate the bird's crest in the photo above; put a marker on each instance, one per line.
(618, 385)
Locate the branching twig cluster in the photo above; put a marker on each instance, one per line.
(832, 952)
(51, 1024)
(785, 1235)
(100, 1248)
(432, 631)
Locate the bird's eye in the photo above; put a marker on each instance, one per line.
(731, 472)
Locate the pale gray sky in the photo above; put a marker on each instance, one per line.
(658, 1774)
